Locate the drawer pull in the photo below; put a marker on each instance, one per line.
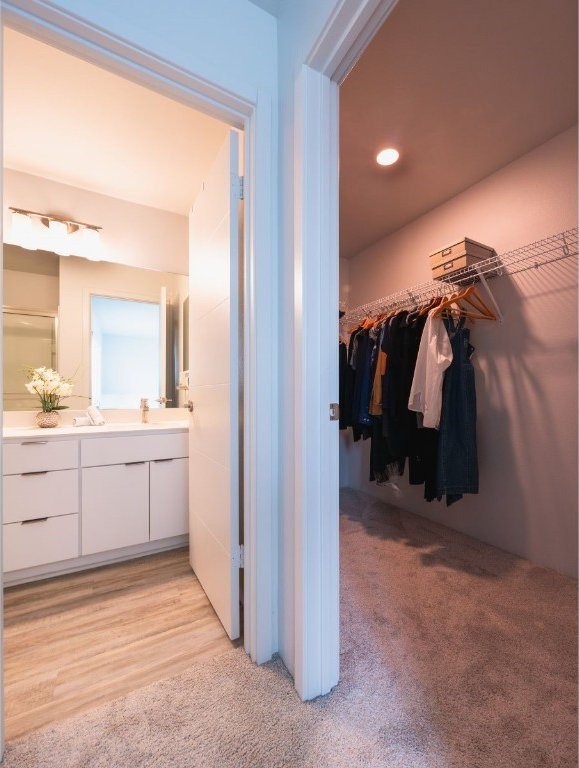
(29, 474)
(134, 463)
(35, 442)
(162, 461)
(35, 520)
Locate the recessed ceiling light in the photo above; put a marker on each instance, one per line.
(387, 156)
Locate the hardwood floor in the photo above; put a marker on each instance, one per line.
(79, 640)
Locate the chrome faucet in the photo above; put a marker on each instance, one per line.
(144, 410)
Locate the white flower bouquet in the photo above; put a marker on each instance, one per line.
(50, 387)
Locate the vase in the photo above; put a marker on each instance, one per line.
(47, 419)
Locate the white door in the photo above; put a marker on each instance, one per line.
(214, 386)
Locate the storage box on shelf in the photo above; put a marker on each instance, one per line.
(465, 253)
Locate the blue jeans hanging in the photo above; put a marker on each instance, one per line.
(457, 468)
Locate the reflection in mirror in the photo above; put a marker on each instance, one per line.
(29, 340)
(125, 352)
(115, 330)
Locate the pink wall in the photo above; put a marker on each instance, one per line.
(526, 369)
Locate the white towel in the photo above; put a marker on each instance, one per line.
(95, 416)
(81, 421)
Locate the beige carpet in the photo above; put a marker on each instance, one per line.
(454, 654)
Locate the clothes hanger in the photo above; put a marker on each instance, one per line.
(448, 302)
(429, 305)
(470, 297)
(473, 298)
(445, 302)
(414, 313)
(360, 326)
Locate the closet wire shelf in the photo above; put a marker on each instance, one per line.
(532, 256)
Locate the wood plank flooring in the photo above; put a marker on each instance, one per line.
(76, 641)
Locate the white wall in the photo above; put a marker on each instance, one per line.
(231, 43)
(526, 369)
(344, 283)
(26, 290)
(132, 234)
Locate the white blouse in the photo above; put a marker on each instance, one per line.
(434, 357)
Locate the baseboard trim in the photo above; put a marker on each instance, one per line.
(49, 571)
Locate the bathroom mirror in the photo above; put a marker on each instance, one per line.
(117, 331)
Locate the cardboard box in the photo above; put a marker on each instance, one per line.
(465, 253)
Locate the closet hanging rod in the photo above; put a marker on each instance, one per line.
(546, 251)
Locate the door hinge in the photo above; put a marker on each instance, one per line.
(239, 557)
(334, 412)
(241, 191)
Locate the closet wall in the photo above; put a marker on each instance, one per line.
(526, 369)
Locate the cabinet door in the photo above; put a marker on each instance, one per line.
(115, 507)
(169, 498)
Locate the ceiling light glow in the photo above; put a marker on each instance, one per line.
(387, 156)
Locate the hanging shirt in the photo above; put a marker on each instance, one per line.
(379, 369)
(434, 357)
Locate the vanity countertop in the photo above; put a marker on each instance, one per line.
(36, 433)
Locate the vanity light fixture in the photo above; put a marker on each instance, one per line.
(66, 235)
(387, 156)
(22, 230)
(59, 237)
(91, 243)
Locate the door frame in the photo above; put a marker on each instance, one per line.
(347, 33)
(258, 120)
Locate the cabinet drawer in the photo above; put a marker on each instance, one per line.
(45, 494)
(98, 452)
(36, 543)
(115, 507)
(40, 456)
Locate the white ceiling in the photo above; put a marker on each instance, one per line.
(70, 121)
(461, 88)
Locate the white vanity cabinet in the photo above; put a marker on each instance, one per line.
(115, 506)
(80, 502)
(169, 495)
(40, 503)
